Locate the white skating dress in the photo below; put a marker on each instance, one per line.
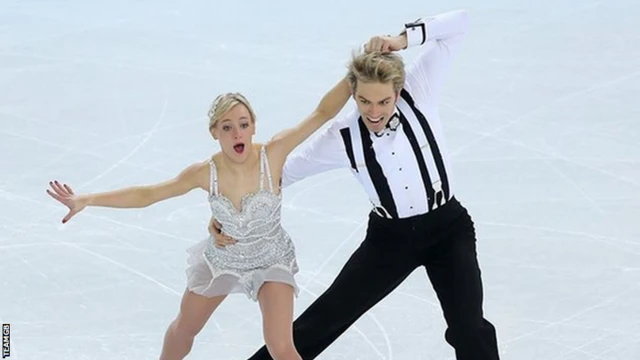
(263, 251)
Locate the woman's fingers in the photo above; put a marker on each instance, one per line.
(68, 188)
(58, 189)
(55, 196)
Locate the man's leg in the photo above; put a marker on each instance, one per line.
(377, 267)
(452, 267)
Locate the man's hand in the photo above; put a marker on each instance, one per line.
(215, 229)
(385, 44)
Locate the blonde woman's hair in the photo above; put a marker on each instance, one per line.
(225, 102)
(376, 67)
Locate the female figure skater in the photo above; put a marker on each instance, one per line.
(242, 181)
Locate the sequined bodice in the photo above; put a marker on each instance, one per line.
(260, 212)
(259, 216)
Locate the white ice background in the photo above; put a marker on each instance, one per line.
(541, 113)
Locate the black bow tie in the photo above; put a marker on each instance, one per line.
(392, 125)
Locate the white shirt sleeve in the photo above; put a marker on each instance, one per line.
(322, 153)
(440, 37)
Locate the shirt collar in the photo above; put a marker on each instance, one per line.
(392, 124)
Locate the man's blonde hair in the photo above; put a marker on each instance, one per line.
(225, 102)
(376, 67)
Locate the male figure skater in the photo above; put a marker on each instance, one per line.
(394, 146)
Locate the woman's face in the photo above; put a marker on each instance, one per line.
(234, 130)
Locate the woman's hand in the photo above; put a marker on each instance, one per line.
(64, 194)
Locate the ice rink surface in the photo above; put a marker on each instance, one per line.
(543, 123)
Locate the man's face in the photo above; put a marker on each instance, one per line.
(376, 103)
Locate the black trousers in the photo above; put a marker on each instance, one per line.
(444, 242)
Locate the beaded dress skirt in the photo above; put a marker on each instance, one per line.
(263, 251)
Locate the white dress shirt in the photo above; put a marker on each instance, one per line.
(438, 38)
